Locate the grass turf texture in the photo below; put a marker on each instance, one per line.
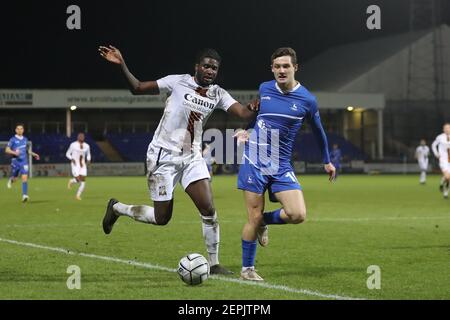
(389, 221)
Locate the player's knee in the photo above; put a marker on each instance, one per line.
(208, 211)
(163, 218)
(255, 217)
(296, 216)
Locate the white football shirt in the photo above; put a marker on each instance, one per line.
(186, 111)
(439, 143)
(79, 152)
(422, 153)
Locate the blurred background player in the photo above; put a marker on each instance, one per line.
(79, 154)
(438, 147)
(18, 149)
(422, 154)
(285, 104)
(174, 154)
(209, 159)
(336, 157)
(444, 164)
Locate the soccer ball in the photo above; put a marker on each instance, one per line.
(193, 269)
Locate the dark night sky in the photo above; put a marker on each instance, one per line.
(162, 37)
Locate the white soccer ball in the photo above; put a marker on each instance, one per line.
(193, 269)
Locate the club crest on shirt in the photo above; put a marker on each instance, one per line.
(211, 93)
(262, 124)
(294, 107)
(162, 191)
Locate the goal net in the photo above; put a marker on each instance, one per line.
(5, 160)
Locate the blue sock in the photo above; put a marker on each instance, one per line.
(25, 188)
(273, 217)
(248, 253)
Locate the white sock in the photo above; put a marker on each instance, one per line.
(211, 234)
(81, 188)
(245, 268)
(145, 214)
(423, 176)
(442, 181)
(446, 189)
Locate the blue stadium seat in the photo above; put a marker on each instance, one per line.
(131, 146)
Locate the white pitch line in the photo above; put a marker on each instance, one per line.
(162, 268)
(378, 219)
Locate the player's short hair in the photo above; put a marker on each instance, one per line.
(19, 124)
(208, 53)
(284, 51)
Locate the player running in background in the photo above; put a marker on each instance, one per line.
(79, 154)
(174, 155)
(438, 147)
(17, 148)
(422, 154)
(285, 104)
(336, 157)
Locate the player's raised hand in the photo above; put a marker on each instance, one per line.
(331, 170)
(241, 136)
(112, 54)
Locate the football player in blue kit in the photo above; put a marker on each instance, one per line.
(284, 105)
(17, 148)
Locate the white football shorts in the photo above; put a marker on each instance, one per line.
(165, 169)
(423, 165)
(78, 171)
(444, 165)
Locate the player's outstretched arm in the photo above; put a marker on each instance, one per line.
(9, 151)
(434, 148)
(248, 112)
(113, 55)
(319, 133)
(35, 155)
(88, 155)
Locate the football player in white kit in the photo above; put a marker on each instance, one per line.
(174, 155)
(441, 150)
(79, 154)
(422, 154)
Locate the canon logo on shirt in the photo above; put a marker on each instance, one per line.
(198, 101)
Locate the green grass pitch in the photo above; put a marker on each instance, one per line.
(389, 221)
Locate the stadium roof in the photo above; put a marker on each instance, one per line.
(375, 66)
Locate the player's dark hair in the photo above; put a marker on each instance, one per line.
(284, 51)
(19, 124)
(208, 53)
